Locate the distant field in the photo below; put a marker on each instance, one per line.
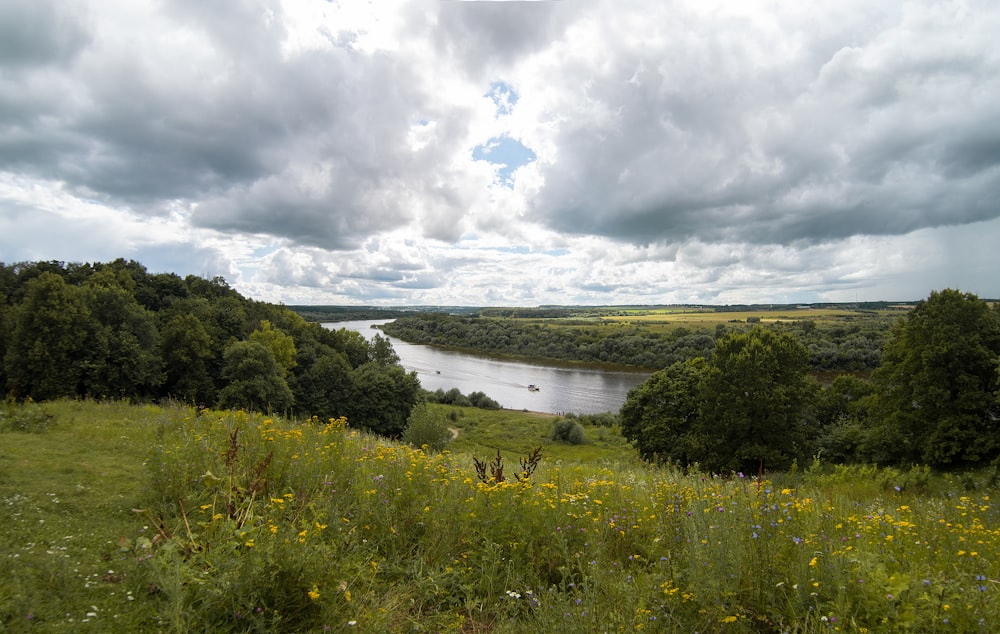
(703, 318)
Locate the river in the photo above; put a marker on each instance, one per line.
(561, 388)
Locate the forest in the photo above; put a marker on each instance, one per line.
(852, 342)
(115, 330)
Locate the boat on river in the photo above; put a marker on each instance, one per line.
(533, 388)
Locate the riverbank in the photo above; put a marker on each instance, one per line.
(563, 387)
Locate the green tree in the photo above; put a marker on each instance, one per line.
(937, 382)
(123, 356)
(383, 397)
(754, 402)
(381, 352)
(49, 344)
(186, 350)
(425, 427)
(324, 387)
(255, 380)
(282, 346)
(660, 415)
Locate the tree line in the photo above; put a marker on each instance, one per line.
(849, 346)
(933, 399)
(115, 330)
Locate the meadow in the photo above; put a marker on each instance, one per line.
(123, 518)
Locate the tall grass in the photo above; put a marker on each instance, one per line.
(257, 524)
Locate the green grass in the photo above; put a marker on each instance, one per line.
(483, 432)
(70, 476)
(128, 519)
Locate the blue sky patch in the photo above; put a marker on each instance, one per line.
(503, 96)
(506, 153)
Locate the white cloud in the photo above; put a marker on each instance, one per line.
(326, 152)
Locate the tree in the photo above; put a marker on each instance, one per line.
(282, 346)
(754, 400)
(123, 356)
(425, 427)
(660, 415)
(186, 350)
(46, 351)
(255, 379)
(324, 387)
(381, 352)
(937, 382)
(383, 397)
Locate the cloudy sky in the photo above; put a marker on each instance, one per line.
(509, 153)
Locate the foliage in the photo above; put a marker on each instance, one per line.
(48, 346)
(480, 400)
(255, 380)
(567, 431)
(741, 411)
(382, 398)
(114, 330)
(754, 399)
(281, 345)
(454, 396)
(126, 519)
(660, 415)
(426, 428)
(836, 338)
(938, 380)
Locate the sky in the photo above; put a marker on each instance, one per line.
(514, 153)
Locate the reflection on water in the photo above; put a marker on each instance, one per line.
(561, 389)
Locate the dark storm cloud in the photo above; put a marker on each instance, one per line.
(38, 33)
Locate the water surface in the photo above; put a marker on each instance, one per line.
(561, 388)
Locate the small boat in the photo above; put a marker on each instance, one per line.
(533, 388)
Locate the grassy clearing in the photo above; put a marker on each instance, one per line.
(483, 432)
(251, 524)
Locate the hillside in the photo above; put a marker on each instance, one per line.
(123, 518)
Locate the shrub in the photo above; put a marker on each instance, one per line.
(425, 427)
(568, 431)
(480, 400)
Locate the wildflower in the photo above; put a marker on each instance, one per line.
(729, 619)
(314, 593)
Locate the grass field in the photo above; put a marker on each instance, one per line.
(483, 432)
(693, 318)
(119, 518)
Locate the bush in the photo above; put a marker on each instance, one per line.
(480, 400)
(568, 431)
(27, 417)
(425, 427)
